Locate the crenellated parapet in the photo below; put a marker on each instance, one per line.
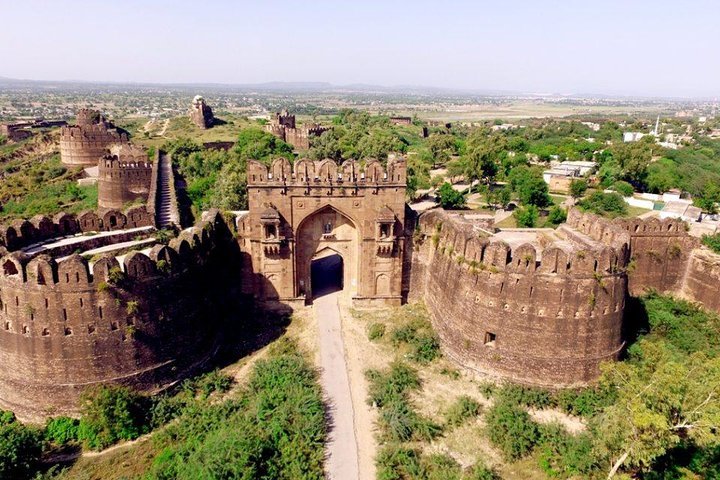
(124, 176)
(307, 172)
(23, 233)
(71, 322)
(86, 142)
(540, 307)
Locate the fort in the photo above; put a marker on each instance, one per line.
(283, 126)
(200, 113)
(98, 297)
(84, 143)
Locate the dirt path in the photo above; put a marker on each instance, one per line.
(342, 448)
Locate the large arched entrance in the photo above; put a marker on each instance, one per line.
(327, 253)
(326, 273)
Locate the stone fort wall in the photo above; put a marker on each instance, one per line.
(69, 324)
(540, 317)
(21, 233)
(124, 179)
(89, 140)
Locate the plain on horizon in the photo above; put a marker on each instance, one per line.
(615, 47)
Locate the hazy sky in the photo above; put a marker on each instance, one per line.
(633, 47)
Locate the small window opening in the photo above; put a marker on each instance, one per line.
(113, 326)
(45, 332)
(25, 330)
(490, 339)
(68, 331)
(270, 232)
(100, 311)
(7, 325)
(327, 228)
(91, 328)
(384, 230)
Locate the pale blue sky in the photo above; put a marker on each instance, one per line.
(662, 47)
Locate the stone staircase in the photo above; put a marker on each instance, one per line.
(166, 212)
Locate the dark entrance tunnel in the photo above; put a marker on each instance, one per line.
(326, 275)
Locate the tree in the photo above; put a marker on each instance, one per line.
(662, 402)
(709, 198)
(111, 413)
(441, 147)
(20, 448)
(578, 188)
(609, 204)
(526, 217)
(623, 188)
(530, 186)
(557, 215)
(256, 144)
(450, 198)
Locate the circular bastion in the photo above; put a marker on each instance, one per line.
(80, 307)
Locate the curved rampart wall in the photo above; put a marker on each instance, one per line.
(86, 144)
(65, 326)
(544, 318)
(21, 233)
(120, 183)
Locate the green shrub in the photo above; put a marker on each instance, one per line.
(623, 188)
(712, 242)
(275, 428)
(488, 389)
(111, 413)
(526, 217)
(557, 215)
(564, 455)
(607, 204)
(393, 385)
(376, 331)
(439, 466)
(511, 430)
(585, 402)
(62, 430)
(421, 338)
(527, 396)
(480, 471)
(20, 448)
(464, 408)
(398, 463)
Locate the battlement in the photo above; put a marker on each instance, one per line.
(23, 233)
(562, 253)
(89, 140)
(307, 172)
(70, 322)
(540, 306)
(124, 176)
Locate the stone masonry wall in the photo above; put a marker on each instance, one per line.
(67, 325)
(544, 318)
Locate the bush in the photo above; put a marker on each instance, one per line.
(578, 188)
(557, 215)
(464, 408)
(62, 430)
(608, 204)
(387, 387)
(564, 455)
(623, 188)
(712, 242)
(480, 471)
(511, 430)
(526, 396)
(526, 217)
(20, 448)
(398, 463)
(421, 338)
(111, 413)
(376, 331)
(274, 428)
(449, 198)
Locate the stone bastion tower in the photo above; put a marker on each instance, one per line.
(89, 139)
(319, 225)
(124, 176)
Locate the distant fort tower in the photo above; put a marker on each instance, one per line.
(200, 113)
(124, 176)
(320, 225)
(87, 141)
(283, 126)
